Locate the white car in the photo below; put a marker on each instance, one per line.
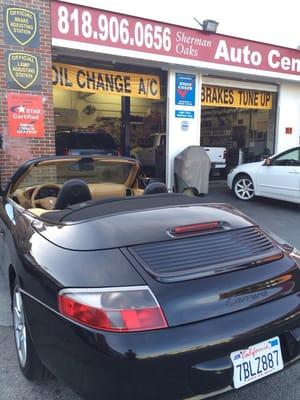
(145, 153)
(217, 156)
(277, 177)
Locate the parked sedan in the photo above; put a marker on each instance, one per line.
(277, 177)
(134, 294)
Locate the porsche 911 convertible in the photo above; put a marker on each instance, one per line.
(142, 294)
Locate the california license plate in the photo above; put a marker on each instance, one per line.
(256, 362)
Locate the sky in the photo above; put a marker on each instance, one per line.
(275, 22)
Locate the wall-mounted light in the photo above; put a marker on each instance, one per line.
(208, 25)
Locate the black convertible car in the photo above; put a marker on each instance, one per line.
(142, 294)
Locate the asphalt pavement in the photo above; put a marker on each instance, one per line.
(280, 217)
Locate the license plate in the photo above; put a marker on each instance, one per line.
(256, 362)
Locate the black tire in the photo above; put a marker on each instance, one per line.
(29, 362)
(243, 187)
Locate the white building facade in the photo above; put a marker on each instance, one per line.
(209, 76)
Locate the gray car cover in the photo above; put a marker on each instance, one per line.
(191, 169)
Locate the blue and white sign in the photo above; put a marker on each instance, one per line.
(184, 114)
(185, 89)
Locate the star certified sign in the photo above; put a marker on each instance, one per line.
(25, 115)
(185, 89)
(21, 27)
(23, 71)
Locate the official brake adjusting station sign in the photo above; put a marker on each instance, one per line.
(21, 26)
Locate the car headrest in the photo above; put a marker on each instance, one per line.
(156, 187)
(73, 191)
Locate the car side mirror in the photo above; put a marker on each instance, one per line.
(268, 162)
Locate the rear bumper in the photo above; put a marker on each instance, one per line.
(176, 363)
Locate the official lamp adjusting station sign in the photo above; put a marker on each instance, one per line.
(73, 77)
(23, 71)
(185, 90)
(21, 27)
(25, 115)
(236, 98)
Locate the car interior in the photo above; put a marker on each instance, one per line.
(75, 180)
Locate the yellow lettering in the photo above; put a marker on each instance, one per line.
(72, 77)
(236, 98)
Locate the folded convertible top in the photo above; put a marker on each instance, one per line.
(93, 209)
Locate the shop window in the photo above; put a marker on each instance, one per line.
(91, 121)
(247, 131)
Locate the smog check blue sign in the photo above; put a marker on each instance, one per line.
(185, 89)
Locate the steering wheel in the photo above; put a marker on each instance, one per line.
(47, 202)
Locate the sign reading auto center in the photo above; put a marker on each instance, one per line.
(81, 79)
(236, 98)
(85, 28)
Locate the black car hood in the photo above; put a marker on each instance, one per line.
(137, 227)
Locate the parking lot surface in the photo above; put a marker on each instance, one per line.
(280, 217)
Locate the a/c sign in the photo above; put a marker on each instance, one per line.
(81, 79)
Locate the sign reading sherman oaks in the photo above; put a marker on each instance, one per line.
(23, 71)
(21, 27)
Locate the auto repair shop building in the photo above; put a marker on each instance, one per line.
(66, 67)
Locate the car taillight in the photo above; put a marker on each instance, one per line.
(120, 309)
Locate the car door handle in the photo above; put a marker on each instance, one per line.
(2, 234)
(294, 172)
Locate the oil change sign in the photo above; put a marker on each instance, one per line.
(72, 77)
(236, 98)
